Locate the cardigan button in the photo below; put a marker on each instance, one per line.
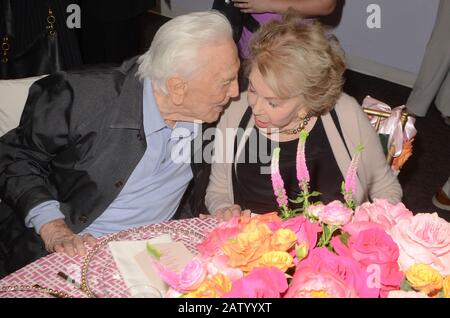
(83, 218)
(118, 184)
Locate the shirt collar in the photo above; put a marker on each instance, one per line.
(153, 120)
(184, 129)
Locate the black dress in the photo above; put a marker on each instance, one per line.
(252, 185)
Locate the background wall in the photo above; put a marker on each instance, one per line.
(393, 52)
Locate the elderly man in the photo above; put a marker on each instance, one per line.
(93, 153)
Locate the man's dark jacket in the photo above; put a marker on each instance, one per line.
(79, 139)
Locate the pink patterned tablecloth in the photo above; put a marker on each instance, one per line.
(103, 277)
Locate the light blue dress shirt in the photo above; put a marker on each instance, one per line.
(154, 189)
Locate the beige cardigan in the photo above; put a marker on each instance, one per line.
(375, 177)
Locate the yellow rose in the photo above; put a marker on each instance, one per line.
(446, 285)
(214, 287)
(280, 260)
(283, 239)
(424, 278)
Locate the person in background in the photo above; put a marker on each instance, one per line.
(433, 83)
(442, 198)
(433, 80)
(295, 82)
(97, 151)
(264, 11)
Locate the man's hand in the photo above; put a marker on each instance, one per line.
(58, 237)
(226, 213)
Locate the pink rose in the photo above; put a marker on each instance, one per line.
(308, 283)
(335, 213)
(305, 230)
(354, 228)
(406, 294)
(425, 239)
(262, 282)
(315, 210)
(190, 277)
(382, 212)
(218, 236)
(321, 260)
(377, 252)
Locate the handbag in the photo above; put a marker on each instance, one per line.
(41, 57)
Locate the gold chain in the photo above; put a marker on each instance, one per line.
(31, 288)
(51, 22)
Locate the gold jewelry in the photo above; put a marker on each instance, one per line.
(35, 288)
(304, 120)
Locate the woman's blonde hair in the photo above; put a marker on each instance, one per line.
(296, 58)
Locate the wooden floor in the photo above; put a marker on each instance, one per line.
(428, 168)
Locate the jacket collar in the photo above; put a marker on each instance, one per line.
(128, 104)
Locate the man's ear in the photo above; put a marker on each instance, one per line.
(176, 88)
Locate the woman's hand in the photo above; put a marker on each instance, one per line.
(253, 6)
(226, 213)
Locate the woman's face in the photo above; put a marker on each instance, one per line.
(269, 110)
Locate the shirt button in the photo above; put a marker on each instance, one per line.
(118, 184)
(83, 218)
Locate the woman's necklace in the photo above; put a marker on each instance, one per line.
(301, 125)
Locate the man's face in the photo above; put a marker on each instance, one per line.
(209, 91)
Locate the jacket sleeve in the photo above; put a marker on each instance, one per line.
(26, 153)
(380, 179)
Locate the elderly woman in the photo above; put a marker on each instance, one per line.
(295, 81)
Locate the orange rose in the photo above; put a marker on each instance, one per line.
(247, 248)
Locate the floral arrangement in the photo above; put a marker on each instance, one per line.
(320, 250)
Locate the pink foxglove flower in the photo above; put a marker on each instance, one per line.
(277, 181)
(350, 178)
(302, 169)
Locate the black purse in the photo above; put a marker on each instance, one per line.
(42, 56)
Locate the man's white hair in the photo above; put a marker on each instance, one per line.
(175, 47)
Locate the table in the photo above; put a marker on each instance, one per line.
(44, 270)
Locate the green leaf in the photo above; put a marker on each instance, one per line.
(153, 251)
(298, 200)
(344, 238)
(406, 286)
(315, 194)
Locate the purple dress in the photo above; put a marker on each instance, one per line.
(262, 18)
(247, 35)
